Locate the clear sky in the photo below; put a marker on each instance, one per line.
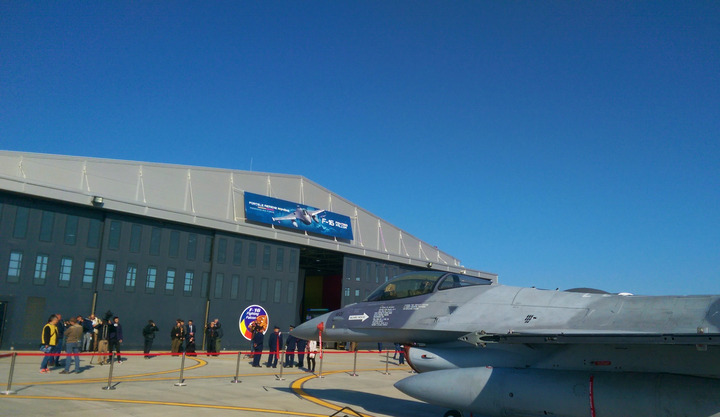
(557, 144)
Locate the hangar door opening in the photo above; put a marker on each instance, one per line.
(321, 273)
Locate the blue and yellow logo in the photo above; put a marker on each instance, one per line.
(253, 318)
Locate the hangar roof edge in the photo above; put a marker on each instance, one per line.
(213, 198)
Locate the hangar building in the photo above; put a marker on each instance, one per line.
(157, 241)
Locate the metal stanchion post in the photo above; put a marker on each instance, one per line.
(181, 381)
(321, 362)
(282, 365)
(320, 327)
(112, 363)
(237, 370)
(354, 365)
(9, 390)
(387, 362)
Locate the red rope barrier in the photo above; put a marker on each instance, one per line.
(265, 352)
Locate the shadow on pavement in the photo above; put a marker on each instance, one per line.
(373, 403)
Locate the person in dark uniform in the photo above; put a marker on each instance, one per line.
(301, 347)
(290, 350)
(274, 346)
(218, 341)
(190, 346)
(212, 336)
(218, 337)
(115, 338)
(149, 335)
(258, 339)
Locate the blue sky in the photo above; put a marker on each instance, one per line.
(558, 144)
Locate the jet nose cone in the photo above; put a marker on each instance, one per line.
(404, 386)
(460, 389)
(416, 385)
(309, 330)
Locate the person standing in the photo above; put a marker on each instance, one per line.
(218, 338)
(79, 319)
(115, 337)
(211, 334)
(218, 341)
(96, 325)
(55, 359)
(301, 347)
(275, 343)
(149, 336)
(176, 337)
(183, 336)
(48, 340)
(103, 336)
(81, 322)
(258, 340)
(291, 345)
(190, 346)
(190, 329)
(88, 328)
(312, 352)
(73, 339)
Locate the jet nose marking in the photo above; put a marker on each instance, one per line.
(309, 329)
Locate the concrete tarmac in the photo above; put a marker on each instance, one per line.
(153, 388)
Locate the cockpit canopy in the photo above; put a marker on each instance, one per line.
(423, 282)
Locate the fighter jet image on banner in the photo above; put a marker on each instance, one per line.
(296, 216)
(301, 214)
(498, 351)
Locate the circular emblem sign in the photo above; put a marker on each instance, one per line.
(253, 317)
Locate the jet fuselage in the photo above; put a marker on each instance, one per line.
(458, 326)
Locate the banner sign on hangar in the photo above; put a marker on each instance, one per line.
(275, 211)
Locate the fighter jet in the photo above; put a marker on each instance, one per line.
(301, 214)
(495, 350)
